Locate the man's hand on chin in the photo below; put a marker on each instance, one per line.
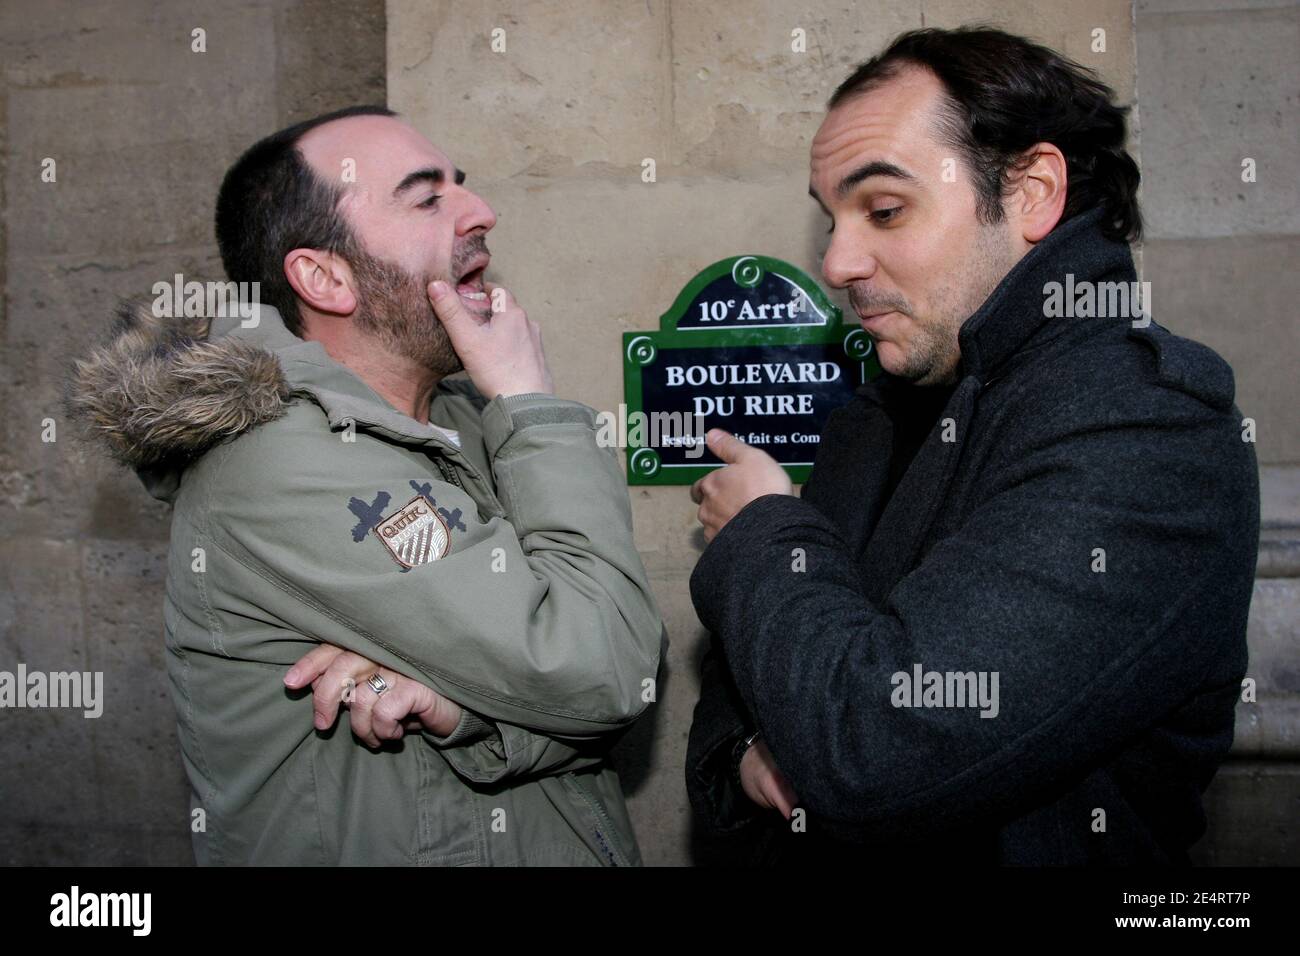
(749, 474)
(503, 351)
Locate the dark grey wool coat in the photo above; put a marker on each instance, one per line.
(1116, 687)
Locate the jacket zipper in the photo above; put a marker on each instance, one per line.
(598, 812)
(449, 472)
(485, 501)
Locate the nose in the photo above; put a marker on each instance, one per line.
(847, 260)
(477, 214)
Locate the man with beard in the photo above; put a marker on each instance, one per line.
(1006, 621)
(335, 493)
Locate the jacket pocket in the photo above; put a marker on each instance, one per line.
(450, 824)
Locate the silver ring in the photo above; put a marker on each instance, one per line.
(377, 683)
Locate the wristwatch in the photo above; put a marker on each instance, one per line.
(738, 753)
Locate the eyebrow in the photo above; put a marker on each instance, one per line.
(431, 175)
(876, 167)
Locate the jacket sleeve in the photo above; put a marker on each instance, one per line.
(1085, 659)
(483, 750)
(539, 616)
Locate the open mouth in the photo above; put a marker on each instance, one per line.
(470, 284)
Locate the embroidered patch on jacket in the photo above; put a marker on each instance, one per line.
(415, 534)
(367, 515)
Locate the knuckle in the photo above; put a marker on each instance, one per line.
(336, 674)
(323, 653)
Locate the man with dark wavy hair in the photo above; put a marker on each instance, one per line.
(1006, 621)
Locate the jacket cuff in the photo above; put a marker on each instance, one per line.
(477, 756)
(720, 800)
(506, 414)
(471, 729)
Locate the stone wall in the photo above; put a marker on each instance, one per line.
(141, 128)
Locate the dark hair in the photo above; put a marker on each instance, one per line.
(1004, 94)
(270, 202)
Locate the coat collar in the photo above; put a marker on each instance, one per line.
(339, 392)
(1014, 312)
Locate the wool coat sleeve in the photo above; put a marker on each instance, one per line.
(1157, 482)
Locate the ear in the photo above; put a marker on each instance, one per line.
(322, 280)
(1039, 197)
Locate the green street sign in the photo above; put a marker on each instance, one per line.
(752, 345)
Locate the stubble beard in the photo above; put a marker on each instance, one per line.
(933, 354)
(394, 309)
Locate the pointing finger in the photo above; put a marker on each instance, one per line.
(725, 445)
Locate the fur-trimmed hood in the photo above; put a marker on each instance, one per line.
(160, 392)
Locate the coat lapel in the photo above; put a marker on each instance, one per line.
(852, 464)
(895, 542)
